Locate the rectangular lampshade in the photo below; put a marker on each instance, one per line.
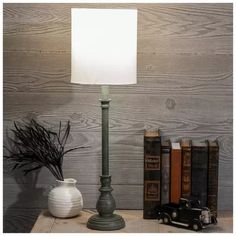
(104, 46)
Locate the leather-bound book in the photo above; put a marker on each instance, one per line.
(186, 169)
(213, 169)
(152, 174)
(199, 171)
(175, 169)
(165, 171)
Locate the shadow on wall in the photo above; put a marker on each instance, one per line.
(20, 216)
(24, 196)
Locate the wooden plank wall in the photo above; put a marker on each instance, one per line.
(184, 88)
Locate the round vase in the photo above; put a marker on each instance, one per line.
(65, 200)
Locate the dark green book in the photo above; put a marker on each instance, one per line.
(199, 171)
(213, 171)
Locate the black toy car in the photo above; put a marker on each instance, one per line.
(187, 213)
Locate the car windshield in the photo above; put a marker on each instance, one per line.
(194, 203)
(189, 203)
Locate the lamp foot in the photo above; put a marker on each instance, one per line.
(106, 223)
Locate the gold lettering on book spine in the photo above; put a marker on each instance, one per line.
(186, 173)
(152, 162)
(152, 190)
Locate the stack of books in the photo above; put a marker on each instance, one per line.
(172, 170)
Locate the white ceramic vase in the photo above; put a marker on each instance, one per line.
(65, 200)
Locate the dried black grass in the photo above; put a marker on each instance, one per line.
(36, 147)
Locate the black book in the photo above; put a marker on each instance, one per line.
(213, 169)
(165, 171)
(152, 174)
(199, 171)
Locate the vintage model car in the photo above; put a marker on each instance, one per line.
(187, 213)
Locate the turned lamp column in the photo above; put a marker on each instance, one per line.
(105, 220)
(106, 203)
(105, 103)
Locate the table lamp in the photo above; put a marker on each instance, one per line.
(104, 52)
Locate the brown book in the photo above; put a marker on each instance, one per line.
(175, 170)
(186, 168)
(213, 169)
(152, 174)
(165, 171)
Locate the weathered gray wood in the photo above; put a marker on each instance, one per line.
(126, 160)
(85, 114)
(39, 28)
(36, 197)
(123, 167)
(49, 72)
(185, 87)
(19, 195)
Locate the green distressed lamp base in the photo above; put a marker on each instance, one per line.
(106, 205)
(113, 222)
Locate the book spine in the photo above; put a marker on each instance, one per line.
(152, 176)
(186, 172)
(175, 170)
(213, 170)
(165, 175)
(199, 174)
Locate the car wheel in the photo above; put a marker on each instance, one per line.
(174, 214)
(214, 220)
(166, 219)
(196, 226)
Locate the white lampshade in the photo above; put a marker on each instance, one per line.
(104, 46)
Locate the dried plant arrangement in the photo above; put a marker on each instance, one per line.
(36, 146)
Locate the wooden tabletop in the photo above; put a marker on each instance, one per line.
(135, 223)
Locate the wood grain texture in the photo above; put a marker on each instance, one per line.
(123, 165)
(162, 74)
(84, 112)
(44, 223)
(134, 224)
(36, 197)
(28, 25)
(185, 88)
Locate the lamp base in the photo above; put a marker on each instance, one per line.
(106, 223)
